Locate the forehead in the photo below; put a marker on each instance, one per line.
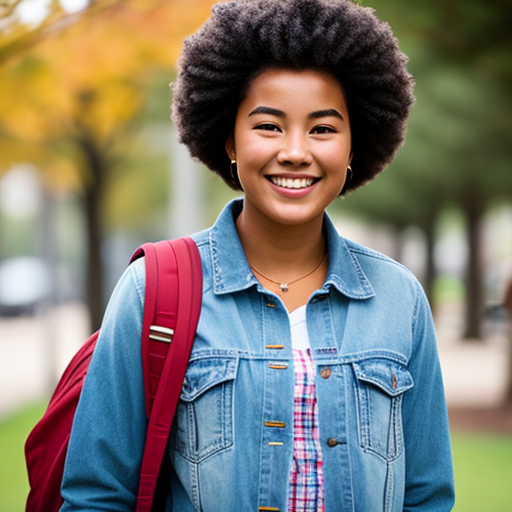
(296, 88)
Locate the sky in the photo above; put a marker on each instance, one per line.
(34, 11)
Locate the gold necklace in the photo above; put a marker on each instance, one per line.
(286, 286)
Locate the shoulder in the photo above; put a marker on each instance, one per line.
(204, 243)
(370, 257)
(386, 275)
(202, 239)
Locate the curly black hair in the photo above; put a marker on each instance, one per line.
(242, 38)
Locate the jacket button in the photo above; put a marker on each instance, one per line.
(332, 442)
(325, 373)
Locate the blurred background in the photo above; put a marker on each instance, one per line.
(90, 169)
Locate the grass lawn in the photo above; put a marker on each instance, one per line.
(483, 466)
(483, 472)
(13, 476)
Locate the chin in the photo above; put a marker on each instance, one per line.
(297, 215)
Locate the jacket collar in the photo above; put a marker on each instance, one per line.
(232, 273)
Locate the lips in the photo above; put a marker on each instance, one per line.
(291, 183)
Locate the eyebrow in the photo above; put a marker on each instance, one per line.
(317, 114)
(329, 112)
(267, 110)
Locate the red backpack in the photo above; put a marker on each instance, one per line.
(171, 312)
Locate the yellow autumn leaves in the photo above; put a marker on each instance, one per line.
(84, 75)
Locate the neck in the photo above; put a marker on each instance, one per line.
(280, 251)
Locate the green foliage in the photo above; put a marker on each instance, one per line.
(472, 32)
(459, 143)
(19, 236)
(137, 190)
(448, 290)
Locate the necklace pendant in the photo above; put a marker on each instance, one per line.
(284, 287)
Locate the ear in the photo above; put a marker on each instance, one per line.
(230, 146)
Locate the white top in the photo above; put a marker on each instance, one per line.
(300, 338)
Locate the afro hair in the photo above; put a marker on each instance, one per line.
(242, 38)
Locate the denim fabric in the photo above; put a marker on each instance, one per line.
(382, 413)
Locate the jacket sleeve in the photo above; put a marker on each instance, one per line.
(107, 439)
(429, 469)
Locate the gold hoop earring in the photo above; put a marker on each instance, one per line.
(233, 161)
(347, 180)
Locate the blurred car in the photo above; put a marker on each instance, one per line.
(24, 284)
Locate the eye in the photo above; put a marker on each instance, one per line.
(320, 130)
(269, 127)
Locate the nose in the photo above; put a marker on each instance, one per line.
(295, 151)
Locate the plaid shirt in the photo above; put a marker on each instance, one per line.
(306, 490)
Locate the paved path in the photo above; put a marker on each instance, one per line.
(474, 373)
(27, 370)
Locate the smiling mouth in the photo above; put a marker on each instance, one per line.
(295, 183)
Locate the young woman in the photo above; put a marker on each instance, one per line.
(314, 382)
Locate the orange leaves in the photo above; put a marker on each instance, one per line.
(88, 73)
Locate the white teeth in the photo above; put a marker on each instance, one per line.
(291, 183)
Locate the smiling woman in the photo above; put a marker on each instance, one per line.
(292, 146)
(314, 382)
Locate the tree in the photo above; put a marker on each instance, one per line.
(73, 98)
(459, 58)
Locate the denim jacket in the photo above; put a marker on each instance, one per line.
(382, 413)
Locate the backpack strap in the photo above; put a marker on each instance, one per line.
(171, 312)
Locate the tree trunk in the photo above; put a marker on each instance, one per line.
(430, 268)
(473, 209)
(97, 166)
(397, 243)
(94, 275)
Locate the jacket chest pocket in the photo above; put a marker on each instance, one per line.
(203, 424)
(380, 385)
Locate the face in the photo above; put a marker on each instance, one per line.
(292, 145)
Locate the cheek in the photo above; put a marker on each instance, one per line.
(254, 153)
(335, 158)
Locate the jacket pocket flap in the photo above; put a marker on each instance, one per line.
(203, 374)
(390, 376)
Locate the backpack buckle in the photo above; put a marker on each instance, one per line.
(159, 333)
